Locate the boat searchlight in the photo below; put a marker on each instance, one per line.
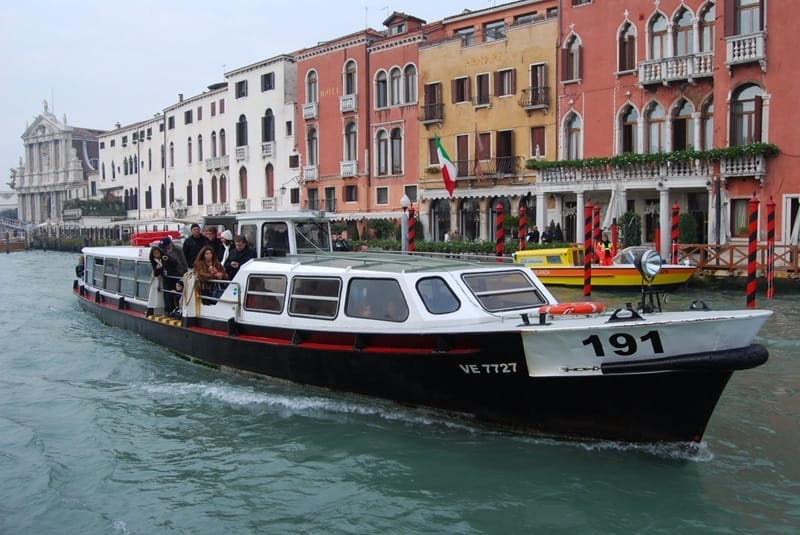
(648, 264)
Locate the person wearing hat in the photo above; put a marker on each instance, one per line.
(193, 243)
(174, 268)
(227, 245)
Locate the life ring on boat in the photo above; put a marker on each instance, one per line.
(581, 307)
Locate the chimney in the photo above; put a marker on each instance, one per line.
(180, 97)
(117, 125)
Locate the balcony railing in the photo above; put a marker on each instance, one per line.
(242, 153)
(489, 168)
(348, 168)
(217, 209)
(652, 171)
(310, 172)
(755, 166)
(243, 205)
(348, 103)
(310, 111)
(746, 49)
(213, 164)
(327, 205)
(432, 113)
(535, 98)
(664, 70)
(269, 203)
(268, 149)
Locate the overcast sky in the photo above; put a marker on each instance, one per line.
(102, 62)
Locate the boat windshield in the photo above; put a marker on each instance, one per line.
(312, 237)
(504, 290)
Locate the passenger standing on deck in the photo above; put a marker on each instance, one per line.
(208, 268)
(241, 253)
(227, 245)
(174, 269)
(193, 243)
(213, 240)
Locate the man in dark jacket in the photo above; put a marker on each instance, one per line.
(241, 253)
(214, 241)
(193, 244)
(174, 269)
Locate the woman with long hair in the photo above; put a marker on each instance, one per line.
(207, 268)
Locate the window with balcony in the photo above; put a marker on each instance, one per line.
(655, 129)
(629, 127)
(223, 146)
(312, 146)
(382, 145)
(707, 125)
(311, 87)
(433, 110)
(241, 89)
(571, 56)
(350, 146)
(467, 36)
(223, 188)
(268, 126)
(658, 37)
(214, 189)
(683, 126)
(410, 84)
(460, 89)
(241, 131)
(572, 136)
(482, 89)
(397, 151)
(243, 182)
(505, 82)
(706, 29)
(381, 90)
(269, 180)
(627, 48)
(349, 78)
(747, 15)
(683, 36)
(746, 115)
(494, 31)
(213, 144)
(395, 84)
(268, 81)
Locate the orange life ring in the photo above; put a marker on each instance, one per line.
(582, 307)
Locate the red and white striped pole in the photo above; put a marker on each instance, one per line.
(676, 210)
(523, 225)
(499, 234)
(412, 223)
(614, 236)
(752, 242)
(588, 250)
(770, 248)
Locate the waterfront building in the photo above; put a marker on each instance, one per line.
(57, 167)
(487, 91)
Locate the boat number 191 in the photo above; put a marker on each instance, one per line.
(624, 344)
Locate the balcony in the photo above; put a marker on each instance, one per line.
(534, 98)
(213, 164)
(268, 149)
(744, 166)
(348, 103)
(749, 48)
(242, 153)
(640, 172)
(217, 209)
(310, 173)
(432, 113)
(676, 69)
(348, 168)
(310, 111)
(243, 205)
(269, 203)
(489, 168)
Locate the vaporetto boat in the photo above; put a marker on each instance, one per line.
(482, 341)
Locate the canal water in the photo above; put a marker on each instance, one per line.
(103, 432)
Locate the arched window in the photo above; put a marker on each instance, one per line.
(213, 144)
(149, 159)
(163, 157)
(397, 151)
(103, 170)
(394, 88)
(658, 36)
(113, 170)
(200, 192)
(189, 193)
(311, 87)
(214, 196)
(223, 149)
(223, 189)
(629, 129)
(707, 33)
(382, 142)
(241, 131)
(135, 168)
(189, 150)
(350, 147)
(627, 47)
(572, 136)
(571, 59)
(683, 42)
(312, 146)
(163, 196)
(200, 148)
(243, 182)
(349, 78)
(746, 115)
(410, 84)
(707, 125)
(268, 126)
(683, 126)
(380, 90)
(171, 193)
(148, 198)
(124, 166)
(269, 178)
(171, 154)
(656, 129)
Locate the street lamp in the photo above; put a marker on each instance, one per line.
(405, 202)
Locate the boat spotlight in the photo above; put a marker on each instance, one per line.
(648, 264)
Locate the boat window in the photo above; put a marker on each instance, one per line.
(437, 296)
(527, 260)
(127, 284)
(379, 299)
(97, 272)
(274, 239)
(144, 272)
(111, 275)
(314, 296)
(504, 290)
(265, 294)
(312, 237)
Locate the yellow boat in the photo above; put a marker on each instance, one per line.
(563, 266)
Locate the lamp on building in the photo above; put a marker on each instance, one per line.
(283, 186)
(405, 202)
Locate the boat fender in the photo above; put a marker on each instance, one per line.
(97, 296)
(567, 309)
(121, 303)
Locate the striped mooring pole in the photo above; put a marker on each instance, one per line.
(412, 223)
(523, 225)
(587, 248)
(752, 242)
(676, 215)
(499, 235)
(770, 248)
(596, 226)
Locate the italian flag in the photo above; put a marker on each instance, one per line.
(448, 169)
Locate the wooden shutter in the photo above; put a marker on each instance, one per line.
(453, 90)
(730, 18)
(758, 120)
